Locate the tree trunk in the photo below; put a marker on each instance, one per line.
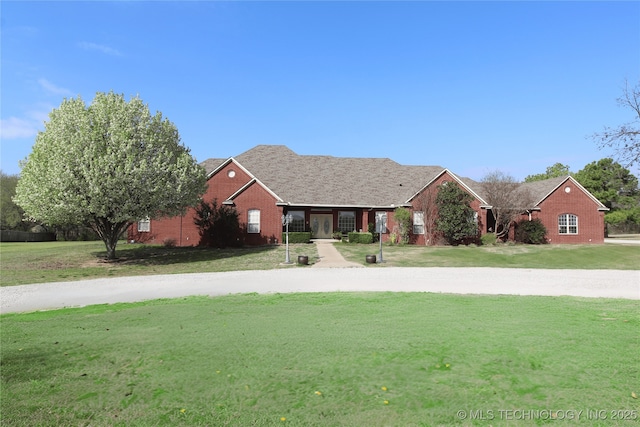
(109, 233)
(111, 248)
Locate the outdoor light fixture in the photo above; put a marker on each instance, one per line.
(382, 224)
(286, 220)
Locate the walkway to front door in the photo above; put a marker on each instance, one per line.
(329, 257)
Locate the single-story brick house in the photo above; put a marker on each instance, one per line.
(325, 194)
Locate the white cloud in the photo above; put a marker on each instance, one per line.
(99, 47)
(53, 89)
(14, 128)
(27, 126)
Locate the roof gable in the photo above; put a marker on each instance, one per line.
(222, 163)
(470, 186)
(212, 165)
(334, 181)
(541, 190)
(316, 180)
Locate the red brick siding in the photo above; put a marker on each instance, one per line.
(179, 230)
(184, 232)
(434, 238)
(590, 220)
(256, 197)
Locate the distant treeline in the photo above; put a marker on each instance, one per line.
(25, 236)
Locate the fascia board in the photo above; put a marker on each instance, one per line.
(552, 191)
(222, 165)
(458, 180)
(601, 207)
(268, 190)
(469, 189)
(225, 163)
(244, 187)
(240, 190)
(252, 181)
(325, 206)
(425, 186)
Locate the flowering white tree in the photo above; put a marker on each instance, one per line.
(106, 166)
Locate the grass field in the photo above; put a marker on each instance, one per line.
(336, 359)
(607, 256)
(24, 263)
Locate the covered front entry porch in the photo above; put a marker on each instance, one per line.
(324, 222)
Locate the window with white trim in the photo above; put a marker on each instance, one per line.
(381, 222)
(346, 221)
(568, 224)
(297, 220)
(144, 225)
(253, 221)
(418, 223)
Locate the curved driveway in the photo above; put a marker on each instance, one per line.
(493, 281)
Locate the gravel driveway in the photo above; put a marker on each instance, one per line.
(494, 281)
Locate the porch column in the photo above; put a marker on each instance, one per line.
(365, 220)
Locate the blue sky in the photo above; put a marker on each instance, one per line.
(471, 86)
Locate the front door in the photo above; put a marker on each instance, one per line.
(321, 226)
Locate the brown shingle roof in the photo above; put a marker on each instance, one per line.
(333, 181)
(537, 189)
(476, 187)
(348, 181)
(210, 165)
(541, 189)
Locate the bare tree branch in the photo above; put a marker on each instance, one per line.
(507, 199)
(624, 139)
(426, 203)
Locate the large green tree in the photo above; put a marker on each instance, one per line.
(554, 171)
(402, 217)
(456, 219)
(106, 165)
(611, 183)
(10, 213)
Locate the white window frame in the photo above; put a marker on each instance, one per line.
(253, 221)
(418, 222)
(568, 224)
(144, 225)
(346, 228)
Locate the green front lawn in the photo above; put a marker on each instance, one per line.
(606, 257)
(335, 359)
(24, 263)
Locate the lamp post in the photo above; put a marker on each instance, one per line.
(382, 225)
(286, 220)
